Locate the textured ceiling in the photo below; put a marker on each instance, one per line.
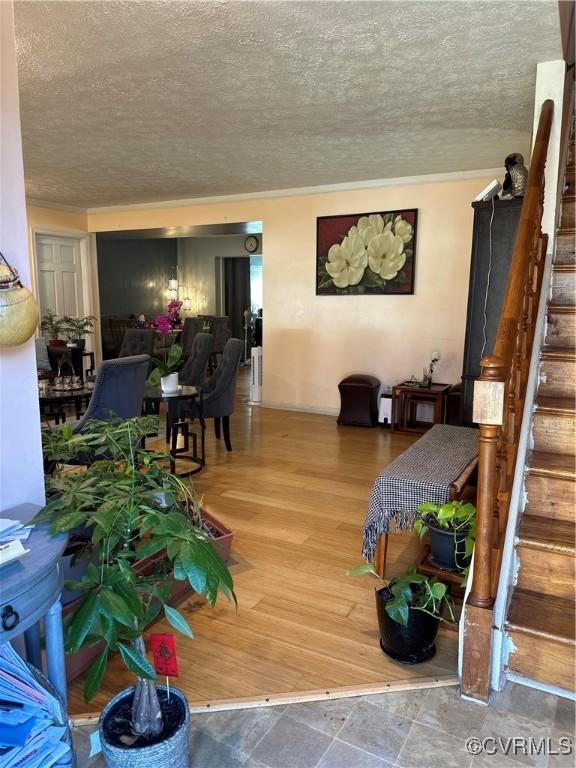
(126, 102)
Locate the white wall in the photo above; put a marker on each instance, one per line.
(21, 474)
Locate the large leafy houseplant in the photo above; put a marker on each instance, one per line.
(77, 328)
(51, 324)
(135, 509)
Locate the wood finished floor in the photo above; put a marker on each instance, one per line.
(295, 491)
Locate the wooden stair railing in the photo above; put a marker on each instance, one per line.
(499, 395)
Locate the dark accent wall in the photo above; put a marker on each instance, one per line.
(133, 275)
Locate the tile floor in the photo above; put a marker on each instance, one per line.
(413, 729)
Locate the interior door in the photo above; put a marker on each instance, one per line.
(59, 275)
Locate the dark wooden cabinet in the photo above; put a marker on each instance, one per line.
(494, 232)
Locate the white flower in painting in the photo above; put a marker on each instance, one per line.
(368, 227)
(385, 254)
(402, 229)
(347, 262)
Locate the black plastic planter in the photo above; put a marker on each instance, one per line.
(411, 644)
(447, 548)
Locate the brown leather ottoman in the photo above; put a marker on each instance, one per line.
(359, 400)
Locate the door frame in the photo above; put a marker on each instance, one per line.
(89, 267)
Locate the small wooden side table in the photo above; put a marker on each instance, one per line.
(406, 398)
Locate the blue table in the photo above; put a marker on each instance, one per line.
(30, 589)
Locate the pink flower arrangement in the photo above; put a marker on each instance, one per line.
(174, 308)
(163, 324)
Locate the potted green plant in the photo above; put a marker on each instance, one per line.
(52, 326)
(76, 328)
(452, 531)
(165, 371)
(135, 509)
(409, 613)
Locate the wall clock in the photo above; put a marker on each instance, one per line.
(251, 244)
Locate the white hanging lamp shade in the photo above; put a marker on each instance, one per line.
(18, 308)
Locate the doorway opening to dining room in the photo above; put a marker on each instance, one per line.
(214, 272)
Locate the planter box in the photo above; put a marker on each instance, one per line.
(222, 544)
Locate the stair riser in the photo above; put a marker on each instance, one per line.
(565, 250)
(546, 571)
(557, 378)
(563, 288)
(542, 659)
(561, 330)
(554, 433)
(550, 497)
(568, 215)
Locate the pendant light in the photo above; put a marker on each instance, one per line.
(18, 308)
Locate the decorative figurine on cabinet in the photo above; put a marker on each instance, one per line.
(516, 176)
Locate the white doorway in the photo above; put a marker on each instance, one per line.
(59, 274)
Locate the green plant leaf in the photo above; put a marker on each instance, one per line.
(112, 605)
(428, 508)
(438, 590)
(363, 568)
(174, 355)
(401, 590)
(82, 622)
(154, 378)
(136, 663)
(95, 674)
(151, 546)
(398, 611)
(178, 621)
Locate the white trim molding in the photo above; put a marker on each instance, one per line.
(350, 186)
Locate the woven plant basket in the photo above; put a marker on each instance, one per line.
(174, 752)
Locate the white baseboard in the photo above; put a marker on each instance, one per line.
(320, 411)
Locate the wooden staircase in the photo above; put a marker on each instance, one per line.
(541, 616)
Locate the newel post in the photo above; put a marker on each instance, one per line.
(488, 413)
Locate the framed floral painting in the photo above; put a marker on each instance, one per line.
(366, 253)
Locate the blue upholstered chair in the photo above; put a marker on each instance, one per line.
(118, 390)
(194, 371)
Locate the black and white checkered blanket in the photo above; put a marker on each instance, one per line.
(424, 472)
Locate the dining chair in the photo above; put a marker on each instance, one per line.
(193, 372)
(137, 341)
(219, 392)
(220, 330)
(118, 390)
(192, 326)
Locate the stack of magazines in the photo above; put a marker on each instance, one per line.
(33, 723)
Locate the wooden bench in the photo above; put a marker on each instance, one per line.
(436, 468)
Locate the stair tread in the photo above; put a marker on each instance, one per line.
(554, 403)
(546, 615)
(556, 464)
(547, 532)
(558, 353)
(564, 268)
(562, 309)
